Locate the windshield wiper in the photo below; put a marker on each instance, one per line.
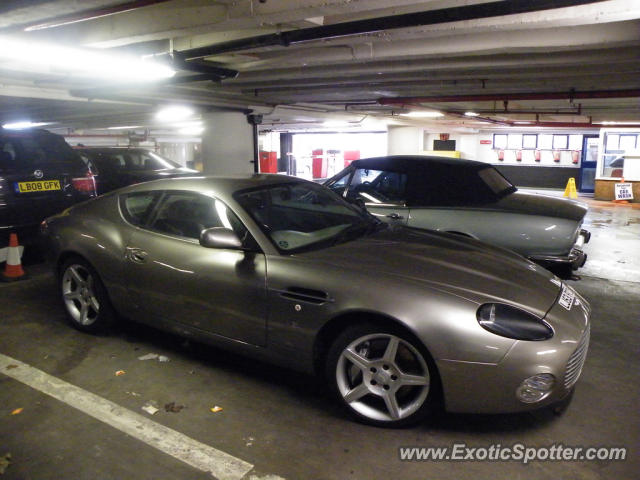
(355, 231)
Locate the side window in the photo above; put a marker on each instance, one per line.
(341, 184)
(375, 186)
(186, 214)
(136, 207)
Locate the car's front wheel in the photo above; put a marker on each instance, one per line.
(383, 376)
(84, 296)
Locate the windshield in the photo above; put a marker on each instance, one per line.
(305, 216)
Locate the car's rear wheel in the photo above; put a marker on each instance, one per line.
(84, 297)
(383, 376)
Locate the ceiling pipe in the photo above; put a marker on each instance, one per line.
(375, 25)
(200, 66)
(537, 122)
(577, 112)
(571, 95)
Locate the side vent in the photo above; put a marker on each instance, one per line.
(308, 295)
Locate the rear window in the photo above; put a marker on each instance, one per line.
(456, 185)
(36, 150)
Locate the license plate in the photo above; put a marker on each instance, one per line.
(566, 298)
(37, 186)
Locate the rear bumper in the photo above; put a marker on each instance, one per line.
(575, 259)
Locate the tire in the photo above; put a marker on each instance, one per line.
(381, 375)
(84, 297)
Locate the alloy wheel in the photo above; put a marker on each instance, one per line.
(383, 377)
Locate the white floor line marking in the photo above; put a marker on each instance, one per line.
(203, 457)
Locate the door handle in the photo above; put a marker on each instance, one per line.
(395, 216)
(136, 255)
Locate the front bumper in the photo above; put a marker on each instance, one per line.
(471, 387)
(575, 259)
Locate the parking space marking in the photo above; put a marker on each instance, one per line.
(203, 457)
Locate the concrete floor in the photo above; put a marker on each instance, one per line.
(282, 422)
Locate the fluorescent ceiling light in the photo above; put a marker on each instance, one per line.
(190, 124)
(47, 58)
(471, 114)
(125, 127)
(191, 131)
(173, 113)
(423, 114)
(23, 125)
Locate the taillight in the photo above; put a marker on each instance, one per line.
(85, 184)
(44, 228)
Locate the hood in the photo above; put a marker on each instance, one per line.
(458, 265)
(536, 204)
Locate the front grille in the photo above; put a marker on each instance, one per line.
(576, 361)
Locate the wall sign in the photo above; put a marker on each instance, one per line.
(624, 191)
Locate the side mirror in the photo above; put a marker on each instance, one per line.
(219, 237)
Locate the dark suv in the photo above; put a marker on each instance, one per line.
(116, 167)
(40, 175)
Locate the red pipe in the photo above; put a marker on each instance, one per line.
(512, 96)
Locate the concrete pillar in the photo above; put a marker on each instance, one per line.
(227, 143)
(404, 141)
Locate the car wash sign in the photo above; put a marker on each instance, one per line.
(624, 191)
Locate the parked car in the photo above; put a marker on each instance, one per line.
(116, 167)
(284, 270)
(471, 199)
(39, 175)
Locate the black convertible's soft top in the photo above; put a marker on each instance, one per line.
(402, 163)
(440, 181)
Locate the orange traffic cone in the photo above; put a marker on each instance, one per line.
(13, 269)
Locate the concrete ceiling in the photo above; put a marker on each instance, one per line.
(302, 62)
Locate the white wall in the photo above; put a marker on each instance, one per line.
(227, 143)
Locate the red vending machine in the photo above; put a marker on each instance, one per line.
(319, 163)
(268, 162)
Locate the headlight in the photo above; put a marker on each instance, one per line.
(511, 322)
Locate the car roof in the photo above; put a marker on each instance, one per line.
(111, 149)
(227, 184)
(403, 161)
(27, 132)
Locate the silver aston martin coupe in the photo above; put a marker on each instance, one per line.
(396, 319)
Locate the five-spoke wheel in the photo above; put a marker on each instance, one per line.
(84, 296)
(382, 376)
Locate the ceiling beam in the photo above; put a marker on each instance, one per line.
(374, 25)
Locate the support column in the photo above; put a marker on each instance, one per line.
(404, 141)
(227, 143)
